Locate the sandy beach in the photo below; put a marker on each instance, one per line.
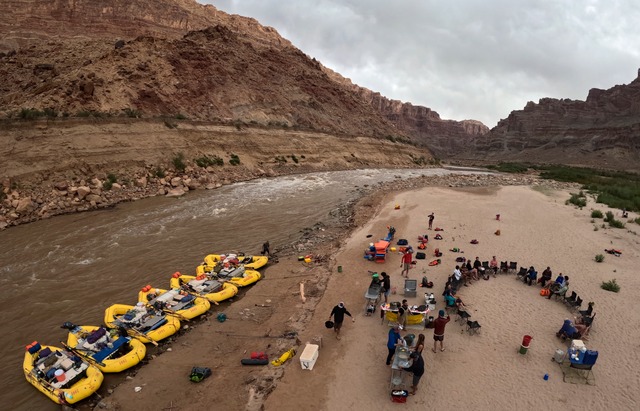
(485, 370)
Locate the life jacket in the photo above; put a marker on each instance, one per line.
(422, 246)
(435, 262)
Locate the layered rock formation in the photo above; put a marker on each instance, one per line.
(251, 73)
(603, 131)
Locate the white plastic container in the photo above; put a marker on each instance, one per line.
(309, 356)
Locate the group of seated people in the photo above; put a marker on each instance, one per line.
(468, 272)
(451, 299)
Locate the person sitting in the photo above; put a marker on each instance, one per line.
(559, 288)
(559, 279)
(450, 300)
(493, 264)
(546, 276)
(573, 331)
(531, 276)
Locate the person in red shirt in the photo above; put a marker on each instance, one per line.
(407, 257)
(438, 330)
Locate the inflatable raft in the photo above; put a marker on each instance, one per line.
(183, 304)
(248, 261)
(144, 323)
(204, 286)
(104, 348)
(59, 374)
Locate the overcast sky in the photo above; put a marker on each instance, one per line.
(465, 59)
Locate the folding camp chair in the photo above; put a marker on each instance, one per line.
(472, 327)
(522, 273)
(504, 266)
(513, 266)
(571, 299)
(485, 265)
(463, 316)
(587, 312)
(576, 304)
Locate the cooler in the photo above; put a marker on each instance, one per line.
(309, 356)
(577, 345)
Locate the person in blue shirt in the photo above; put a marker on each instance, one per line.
(531, 276)
(393, 340)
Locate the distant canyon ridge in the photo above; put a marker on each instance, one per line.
(98, 88)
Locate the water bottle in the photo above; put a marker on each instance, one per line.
(546, 377)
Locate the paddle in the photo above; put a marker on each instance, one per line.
(170, 312)
(143, 335)
(85, 356)
(196, 295)
(48, 386)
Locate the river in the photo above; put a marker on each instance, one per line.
(71, 267)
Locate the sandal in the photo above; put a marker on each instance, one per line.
(441, 349)
(434, 350)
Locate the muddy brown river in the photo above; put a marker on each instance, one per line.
(70, 268)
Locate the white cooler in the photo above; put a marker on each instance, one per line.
(309, 356)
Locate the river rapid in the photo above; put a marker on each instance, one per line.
(72, 267)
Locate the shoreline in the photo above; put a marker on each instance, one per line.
(289, 317)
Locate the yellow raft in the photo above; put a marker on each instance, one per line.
(248, 277)
(109, 352)
(141, 322)
(183, 304)
(75, 380)
(202, 286)
(251, 262)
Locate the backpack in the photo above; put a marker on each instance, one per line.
(420, 256)
(402, 241)
(424, 282)
(199, 373)
(437, 252)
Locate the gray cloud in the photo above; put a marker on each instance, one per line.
(465, 59)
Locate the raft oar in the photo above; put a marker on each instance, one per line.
(197, 295)
(49, 387)
(170, 312)
(143, 335)
(79, 354)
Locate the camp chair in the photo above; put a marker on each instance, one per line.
(504, 266)
(587, 312)
(571, 299)
(485, 265)
(472, 327)
(463, 316)
(513, 266)
(522, 273)
(576, 304)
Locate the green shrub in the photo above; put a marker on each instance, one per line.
(578, 200)
(170, 125)
(30, 113)
(596, 214)
(637, 220)
(599, 258)
(595, 228)
(180, 116)
(49, 112)
(83, 113)
(132, 113)
(206, 161)
(609, 218)
(234, 160)
(178, 162)
(159, 172)
(107, 185)
(112, 178)
(294, 158)
(281, 159)
(611, 285)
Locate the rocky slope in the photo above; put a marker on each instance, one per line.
(252, 74)
(603, 131)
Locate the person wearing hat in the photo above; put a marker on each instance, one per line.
(338, 313)
(438, 330)
(393, 340)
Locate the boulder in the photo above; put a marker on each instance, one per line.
(176, 192)
(141, 182)
(61, 186)
(82, 192)
(24, 205)
(94, 198)
(176, 181)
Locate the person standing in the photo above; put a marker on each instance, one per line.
(417, 368)
(438, 330)
(386, 285)
(431, 218)
(338, 314)
(403, 312)
(265, 249)
(392, 341)
(407, 257)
